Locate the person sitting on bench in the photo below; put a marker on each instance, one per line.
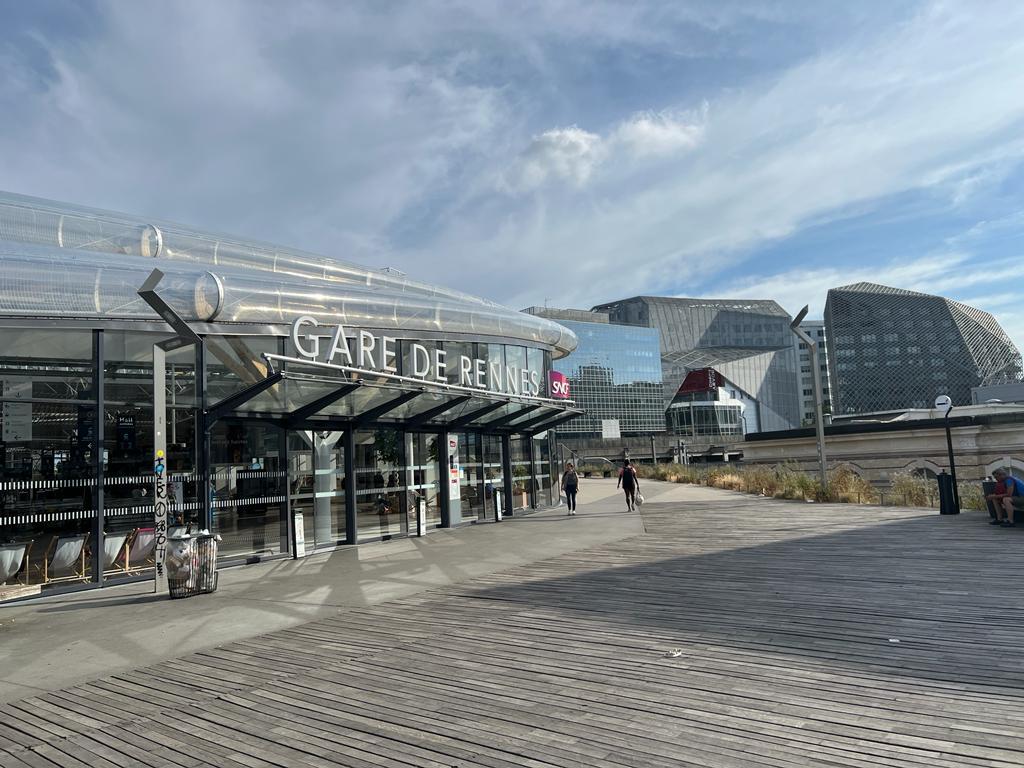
(1008, 496)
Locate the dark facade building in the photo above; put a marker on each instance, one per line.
(892, 349)
(744, 349)
(280, 399)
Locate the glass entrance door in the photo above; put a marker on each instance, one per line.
(494, 478)
(471, 477)
(423, 477)
(382, 507)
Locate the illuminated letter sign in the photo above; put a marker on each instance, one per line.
(559, 385)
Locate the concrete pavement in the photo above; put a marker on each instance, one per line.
(55, 642)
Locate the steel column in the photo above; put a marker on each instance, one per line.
(444, 480)
(506, 470)
(97, 454)
(351, 519)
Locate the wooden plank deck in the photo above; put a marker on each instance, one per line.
(735, 632)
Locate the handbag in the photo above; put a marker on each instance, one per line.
(639, 499)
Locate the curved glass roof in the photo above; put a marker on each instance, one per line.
(61, 260)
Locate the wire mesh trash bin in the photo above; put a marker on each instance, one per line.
(192, 564)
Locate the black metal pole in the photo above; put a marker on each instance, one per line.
(506, 470)
(97, 454)
(952, 463)
(444, 479)
(351, 513)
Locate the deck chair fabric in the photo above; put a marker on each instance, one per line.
(142, 547)
(66, 557)
(113, 544)
(12, 556)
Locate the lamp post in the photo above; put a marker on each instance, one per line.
(943, 402)
(819, 417)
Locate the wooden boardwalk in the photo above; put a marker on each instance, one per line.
(735, 632)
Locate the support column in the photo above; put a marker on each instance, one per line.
(506, 470)
(97, 454)
(287, 533)
(351, 520)
(203, 428)
(444, 480)
(531, 457)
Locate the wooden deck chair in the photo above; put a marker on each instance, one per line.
(65, 558)
(114, 544)
(12, 557)
(140, 551)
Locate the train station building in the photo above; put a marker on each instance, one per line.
(306, 403)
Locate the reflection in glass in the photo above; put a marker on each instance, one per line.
(247, 487)
(494, 477)
(381, 504)
(615, 373)
(471, 474)
(422, 478)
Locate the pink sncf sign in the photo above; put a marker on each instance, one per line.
(558, 385)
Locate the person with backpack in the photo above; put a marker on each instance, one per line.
(1008, 496)
(629, 483)
(570, 486)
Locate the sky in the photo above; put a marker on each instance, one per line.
(568, 152)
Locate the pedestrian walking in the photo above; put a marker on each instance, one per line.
(570, 486)
(629, 483)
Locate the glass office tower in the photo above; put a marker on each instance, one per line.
(748, 342)
(614, 375)
(893, 349)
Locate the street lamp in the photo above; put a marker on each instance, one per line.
(943, 402)
(819, 416)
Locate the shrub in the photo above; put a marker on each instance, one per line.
(911, 490)
(845, 485)
(971, 496)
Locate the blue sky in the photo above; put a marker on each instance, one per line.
(557, 150)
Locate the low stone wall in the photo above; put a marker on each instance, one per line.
(877, 456)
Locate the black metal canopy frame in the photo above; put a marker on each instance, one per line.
(311, 414)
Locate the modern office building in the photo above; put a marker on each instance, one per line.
(892, 349)
(614, 375)
(729, 366)
(816, 330)
(290, 387)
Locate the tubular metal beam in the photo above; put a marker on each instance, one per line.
(526, 425)
(501, 422)
(313, 408)
(232, 402)
(433, 413)
(469, 418)
(555, 422)
(375, 413)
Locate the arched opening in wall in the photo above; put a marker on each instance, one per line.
(924, 473)
(1014, 465)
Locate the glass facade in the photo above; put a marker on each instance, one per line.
(76, 473)
(256, 437)
(893, 349)
(747, 341)
(615, 373)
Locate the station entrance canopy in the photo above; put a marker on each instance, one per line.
(304, 394)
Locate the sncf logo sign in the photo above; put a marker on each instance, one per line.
(559, 385)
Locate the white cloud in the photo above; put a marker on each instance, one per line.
(653, 133)
(563, 154)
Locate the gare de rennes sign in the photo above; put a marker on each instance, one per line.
(363, 351)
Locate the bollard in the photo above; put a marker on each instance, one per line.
(947, 499)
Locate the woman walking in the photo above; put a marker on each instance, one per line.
(570, 485)
(629, 483)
